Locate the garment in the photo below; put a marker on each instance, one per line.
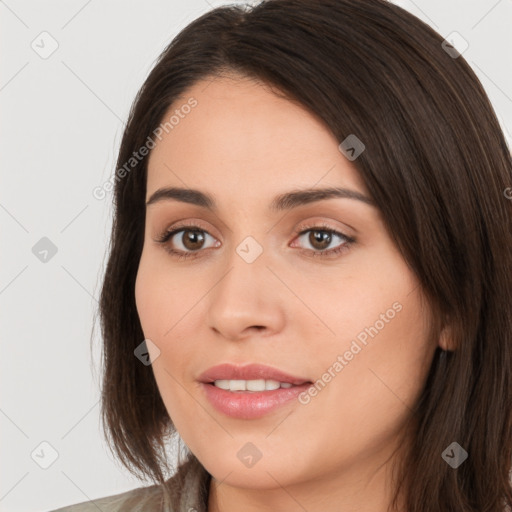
(186, 491)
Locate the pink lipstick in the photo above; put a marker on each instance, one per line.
(250, 391)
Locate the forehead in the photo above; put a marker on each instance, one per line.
(241, 137)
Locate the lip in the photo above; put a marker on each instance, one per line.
(229, 371)
(247, 404)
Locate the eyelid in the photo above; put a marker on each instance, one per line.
(181, 225)
(323, 225)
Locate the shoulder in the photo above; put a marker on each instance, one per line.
(141, 499)
(186, 489)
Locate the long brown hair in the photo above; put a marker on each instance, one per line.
(436, 164)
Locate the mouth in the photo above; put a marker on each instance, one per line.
(251, 391)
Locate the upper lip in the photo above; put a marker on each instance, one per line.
(229, 371)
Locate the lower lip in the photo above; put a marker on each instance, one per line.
(250, 405)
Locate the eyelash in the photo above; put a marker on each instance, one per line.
(180, 255)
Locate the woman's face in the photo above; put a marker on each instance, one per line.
(255, 290)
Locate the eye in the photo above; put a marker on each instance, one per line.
(192, 240)
(321, 237)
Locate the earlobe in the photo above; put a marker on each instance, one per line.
(446, 341)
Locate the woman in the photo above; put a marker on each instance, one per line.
(310, 276)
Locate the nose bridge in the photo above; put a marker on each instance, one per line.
(247, 275)
(248, 243)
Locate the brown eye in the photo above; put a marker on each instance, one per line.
(320, 239)
(192, 239)
(189, 244)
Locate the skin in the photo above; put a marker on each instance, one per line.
(244, 145)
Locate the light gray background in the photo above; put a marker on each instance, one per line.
(62, 120)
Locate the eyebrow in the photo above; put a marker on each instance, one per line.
(282, 202)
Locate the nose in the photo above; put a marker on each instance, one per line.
(246, 300)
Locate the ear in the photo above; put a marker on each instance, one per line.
(446, 339)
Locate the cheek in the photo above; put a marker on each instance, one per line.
(374, 304)
(384, 367)
(374, 388)
(165, 305)
(162, 304)
(375, 363)
(161, 297)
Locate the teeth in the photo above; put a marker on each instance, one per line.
(251, 385)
